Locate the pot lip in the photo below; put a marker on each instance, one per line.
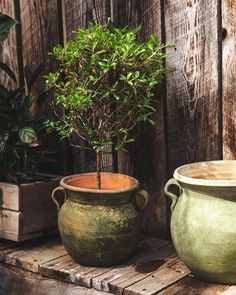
(205, 182)
(96, 191)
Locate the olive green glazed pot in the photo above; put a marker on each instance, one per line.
(203, 222)
(100, 227)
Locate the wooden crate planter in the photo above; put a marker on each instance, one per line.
(26, 210)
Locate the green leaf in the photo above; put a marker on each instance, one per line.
(110, 26)
(106, 70)
(129, 140)
(151, 108)
(30, 99)
(111, 75)
(151, 121)
(102, 64)
(27, 74)
(6, 23)
(7, 70)
(27, 135)
(4, 92)
(129, 75)
(154, 39)
(153, 83)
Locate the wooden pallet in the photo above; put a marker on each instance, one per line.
(155, 269)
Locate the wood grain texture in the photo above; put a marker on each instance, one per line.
(193, 88)
(8, 49)
(148, 153)
(153, 255)
(39, 25)
(31, 256)
(155, 269)
(66, 269)
(228, 78)
(193, 286)
(27, 211)
(170, 272)
(138, 269)
(40, 33)
(15, 281)
(80, 12)
(18, 281)
(10, 224)
(10, 196)
(39, 212)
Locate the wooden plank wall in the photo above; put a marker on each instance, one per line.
(196, 119)
(9, 48)
(228, 78)
(193, 88)
(195, 115)
(39, 25)
(148, 154)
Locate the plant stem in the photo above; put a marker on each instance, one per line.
(99, 170)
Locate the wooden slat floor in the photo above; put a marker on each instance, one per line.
(155, 269)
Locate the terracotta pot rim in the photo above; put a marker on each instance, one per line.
(96, 191)
(180, 174)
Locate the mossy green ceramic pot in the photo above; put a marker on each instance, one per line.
(203, 222)
(100, 227)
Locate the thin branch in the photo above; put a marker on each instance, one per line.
(80, 146)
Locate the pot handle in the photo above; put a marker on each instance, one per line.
(141, 198)
(56, 200)
(170, 183)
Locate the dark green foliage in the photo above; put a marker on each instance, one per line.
(7, 70)
(19, 129)
(105, 84)
(6, 23)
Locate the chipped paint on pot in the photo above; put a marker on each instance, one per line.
(100, 227)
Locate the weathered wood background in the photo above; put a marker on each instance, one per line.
(196, 114)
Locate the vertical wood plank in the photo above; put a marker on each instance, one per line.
(126, 12)
(40, 33)
(194, 87)
(228, 75)
(8, 49)
(78, 13)
(39, 23)
(148, 153)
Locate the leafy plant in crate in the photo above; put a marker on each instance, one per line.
(19, 133)
(19, 128)
(105, 86)
(20, 151)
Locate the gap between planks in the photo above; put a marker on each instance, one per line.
(115, 279)
(78, 273)
(154, 270)
(29, 255)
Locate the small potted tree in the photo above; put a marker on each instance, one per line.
(105, 85)
(25, 207)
